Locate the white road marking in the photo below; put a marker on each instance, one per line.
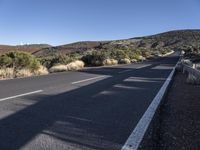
(124, 71)
(140, 67)
(20, 95)
(85, 80)
(138, 133)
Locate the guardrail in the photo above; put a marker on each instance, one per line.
(191, 70)
(193, 74)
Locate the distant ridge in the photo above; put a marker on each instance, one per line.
(177, 39)
(31, 48)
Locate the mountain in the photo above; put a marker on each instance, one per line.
(176, 40)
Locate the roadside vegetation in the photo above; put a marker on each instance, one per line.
(21, 64)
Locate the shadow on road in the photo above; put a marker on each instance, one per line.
(97, 116)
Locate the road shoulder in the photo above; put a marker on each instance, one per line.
(177, 124)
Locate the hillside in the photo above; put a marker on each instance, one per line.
(176, 40)
(27, 48)
(68, 48)
(181, 39)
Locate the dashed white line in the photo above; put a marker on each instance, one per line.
(125, 71)
(20, 95)
(140, 67)
(85, 80)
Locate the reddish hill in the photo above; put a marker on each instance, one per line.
(68, 48)
(27, 48)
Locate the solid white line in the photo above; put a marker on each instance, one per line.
(85, 80)
(138, 133)
(25, 94)
(125, 71)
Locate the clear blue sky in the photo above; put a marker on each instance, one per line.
(64, 21)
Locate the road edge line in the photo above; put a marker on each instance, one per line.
(137, 135)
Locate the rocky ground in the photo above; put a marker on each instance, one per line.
(180, 117)
(176, 125)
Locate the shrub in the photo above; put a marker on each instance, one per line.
(34, 66)
(58, 68)
(10, 73)
(76, 65)
(23, 73)
(95, 58)
(133, 55)
(141, 58)
(119, 54)
(5, 61)
(19, 60)
(56, 60)
(146, 53)
(41, 71)
(110, 62)
(96, 63)
(125, 61)
(6, 73)
(133, 60)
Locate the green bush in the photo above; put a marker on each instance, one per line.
(95, 57)
(146, 53)
(57, 59)
(19, 60)
(125, 61)
(134, 55)
(5, 61)
(119, 54)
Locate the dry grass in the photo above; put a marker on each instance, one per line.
(125, 61)
(76, 65)
(58, 68)
(6, 73)
(141, 58)
(110, 62)
(9, 73)
(23, 73)
(41, 71)
(133, 60)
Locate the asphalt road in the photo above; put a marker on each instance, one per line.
(91, 109)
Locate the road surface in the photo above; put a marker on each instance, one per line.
(95, 108)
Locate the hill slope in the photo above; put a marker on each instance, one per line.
(27, 48)
(176, 40)
(181, 39)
